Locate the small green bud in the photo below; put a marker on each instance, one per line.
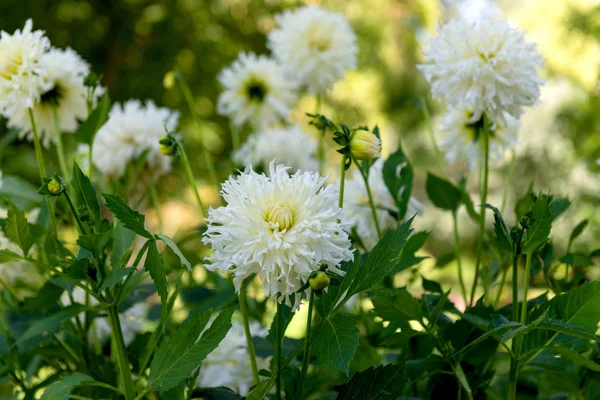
(319, 122)
(318, 280)
(55, 186)
(169, 80)
(168, 146)
(364, 145)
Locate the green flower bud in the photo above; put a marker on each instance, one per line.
(364, 145)
(318, 280)
(319, 122)
(169, 80)
(56, 187)
(168, 146)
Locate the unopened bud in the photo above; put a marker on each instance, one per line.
(318, 280)
(364, 145)
(169, 80)
(319, 122)
(168, 146)
(56, 187)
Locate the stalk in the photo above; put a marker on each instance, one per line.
(484, 174)
(306, 356)
(430, 131)
(251, 352)
(60, 150)
(113, 316)
(457, 255)
(371, 202)
(278, 339)
(526, 287)
(321, 148)
(342, 181)
(191, 180)
(156, 204)
(79, 223)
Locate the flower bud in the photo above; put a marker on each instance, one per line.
(364, 145)
(56, 187)
(319, 122)
(168, 146)
(318, 280)
(169, 80)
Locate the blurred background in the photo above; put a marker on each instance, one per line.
(133, 43)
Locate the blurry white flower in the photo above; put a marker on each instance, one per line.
(472, 10)
(484, 66)
(255, 92)
(131, 129)
(229, 364)
(82, 157)
(280, 227)
(21, 72)
(315, 46)
(461, 138)
(356, 205)
(63, 74)
(290, 146)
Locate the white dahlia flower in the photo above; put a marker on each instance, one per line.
(64, 72)
(229, 364)
(315, 46)
(290, 146)
(256, 92)
(21, 72)
(461, 137)
(485, 66)
(358, 209)
(131, 129)
(280, 227)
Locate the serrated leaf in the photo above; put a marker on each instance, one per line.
(17, 229)
(442, 193)
(176, 250)
(184, 350)
(497, 325)
(155, 266)
(85, 194)
(53, 322)
(122, 241)
(575, 357)
(382, 260)
(437, 311)
(560, 326)
(396, 305)
(541, 224)
(114, 278)
(407, 256)
(578, 230)
(501, 231)
(335, 342)
(559, 206)
(7, 256)
(375, 383)
(130, 218)
(87, 130)
(398, 178)
(431, 286)
(61, 389)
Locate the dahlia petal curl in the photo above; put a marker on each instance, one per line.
(281, 227)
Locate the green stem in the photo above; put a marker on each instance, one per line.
(371, 202)
(42, 168)
(79, 223)
(235, 137)
(278, 339)
(501, 287)
(321, 142)
(507, 182)
(144, 392)
(251, 352)
(191, 180)
(11, 290)
(306, 357)
(156, 204)
(342, 181)
(484, 174)
(210, 163)
(113, 316)
(526, 287)
(429, 124)
(458, 257)
(60, 150)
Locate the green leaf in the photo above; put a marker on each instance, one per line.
(375, 383)
(122, 241)
(559, 206)
(541, 224)
(431, 286)
(85, 194)
(396, 305)
(183, 351)
(19, 192)
(578, 230)
(154, 265)
(382, 260)
(437, 311)
(335, 342)
(559, 326)
(114, 278)
(53, 322)
(407, 256)
(442, 193)
(7, 256)
(61, 389)
(87, 130)
(17, 229)
(579, 306)
(176, 250)
(502, 232)
(130, 219)
(285, 317)
(496, 326)
(575, 357)
(398, 178)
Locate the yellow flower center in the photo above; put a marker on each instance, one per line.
(320, 40)
(281, 215)
(9, 62)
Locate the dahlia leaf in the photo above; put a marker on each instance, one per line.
(87, 130)
(502, 236)
(155, 266)
(7, 256)
(130, 218)
(53, 322)
(376, 383)
(17, 229)
(442, 193)
(85, 194)
(184, 350)
(335, 341)
(169, 242)
(61, 389)
(575, 357)
(398, 177)
(540, 225)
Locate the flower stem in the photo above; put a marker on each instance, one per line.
(252, 354)
(526, 287)
(306, 357)
(457, 255)
(42, 168)
(371, 202)
(113, 316)
(321, 149)
(79, 223)
(484, 174)
(156, 204)
(342, 181)
(191, 180)
(430, 131)
(278, 339)
(60, 150)
(210, 163)
(509, 176)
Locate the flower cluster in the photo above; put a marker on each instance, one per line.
(280, 227)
